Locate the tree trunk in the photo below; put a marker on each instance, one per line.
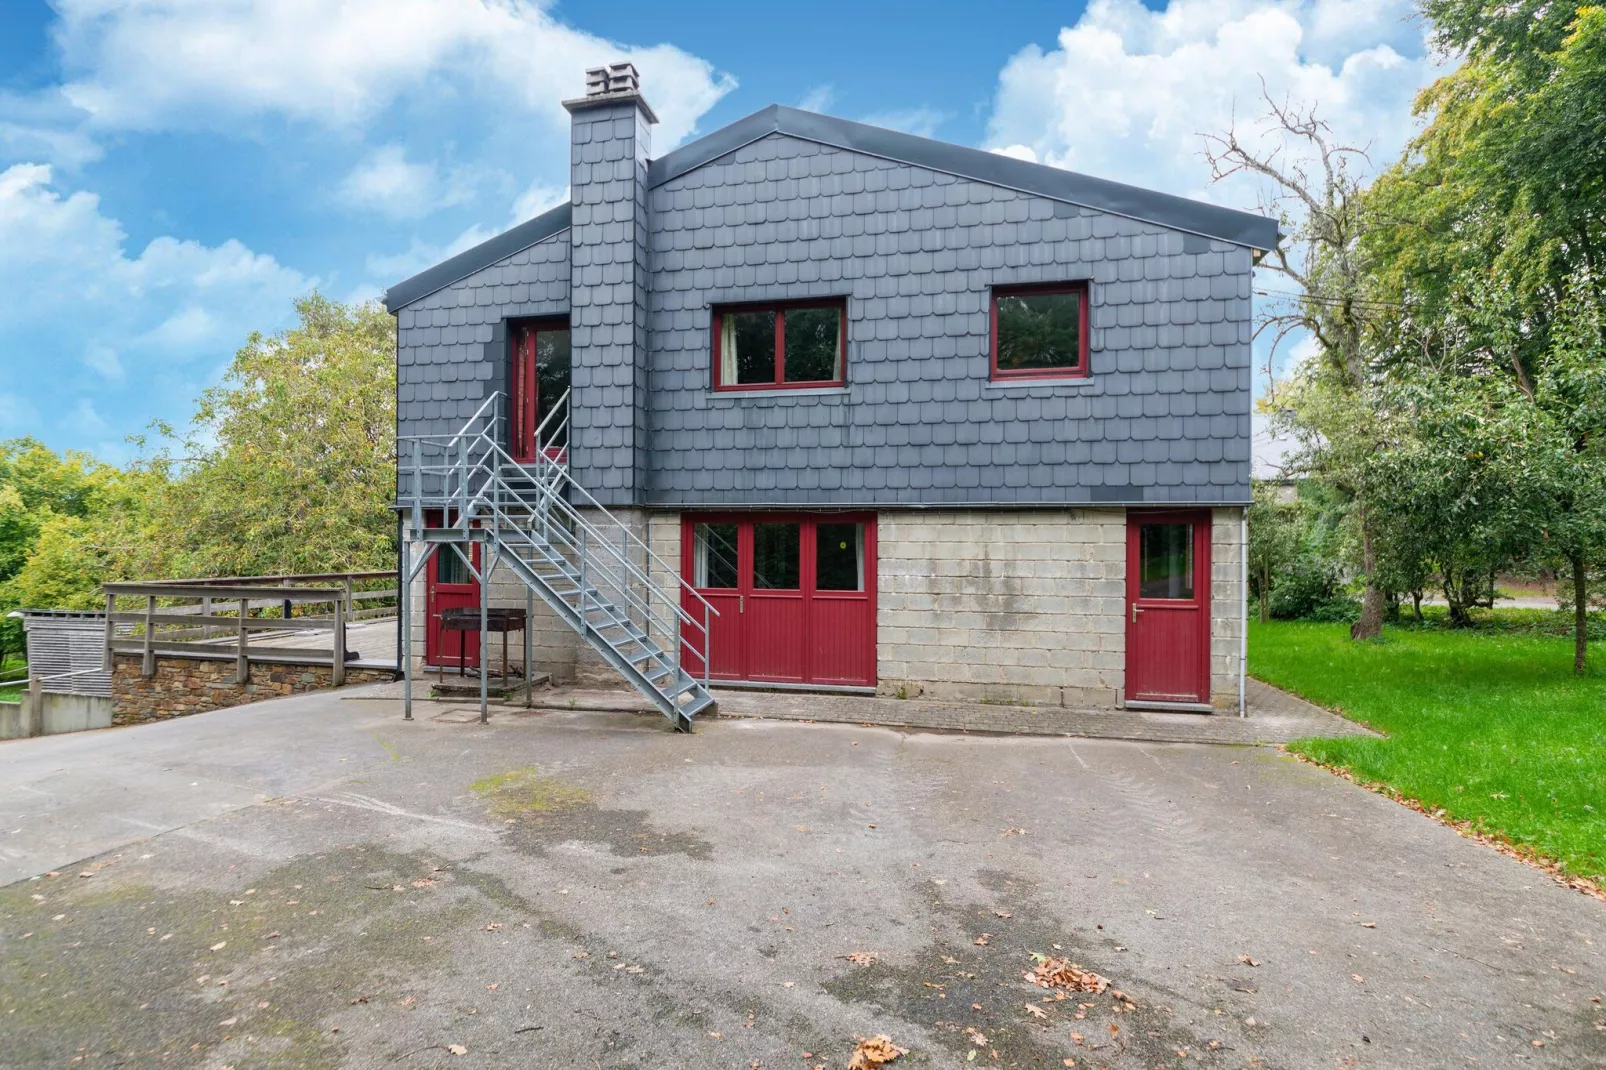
(1580, 613)
(1416, 604)
(1370, 626)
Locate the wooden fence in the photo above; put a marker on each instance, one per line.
(211, 617)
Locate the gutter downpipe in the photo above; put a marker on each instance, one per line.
(1243, 621)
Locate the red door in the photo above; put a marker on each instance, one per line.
(538, 377)
(795, 593)
(1168, 607)
(450, 585)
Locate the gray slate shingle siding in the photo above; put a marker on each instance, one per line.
(451, 346)
(609, 235)
(1163, 418)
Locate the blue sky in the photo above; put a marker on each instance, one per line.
(174, 172)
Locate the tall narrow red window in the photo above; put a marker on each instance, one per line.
(538, 377)
(781, 346)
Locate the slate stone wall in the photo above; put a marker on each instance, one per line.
(452, 346)
(608, 287)
(1164, 416)
(194, 685)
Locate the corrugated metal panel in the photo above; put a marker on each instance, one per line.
(61, 642)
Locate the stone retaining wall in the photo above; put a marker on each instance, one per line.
(196, 685)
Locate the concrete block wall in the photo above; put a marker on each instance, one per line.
(1029, 607)
(556, 644)
(1016, 607)
(1227, 596)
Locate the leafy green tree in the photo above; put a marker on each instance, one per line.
(1321, 203)
(1274, 531)
(290, 463)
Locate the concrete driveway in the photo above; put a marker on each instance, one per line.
(312, 882)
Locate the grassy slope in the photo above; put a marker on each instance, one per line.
(1490, 726)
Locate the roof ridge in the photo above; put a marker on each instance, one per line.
(1118, 198)
(456, 268)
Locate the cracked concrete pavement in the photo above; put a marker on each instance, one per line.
(313, 882)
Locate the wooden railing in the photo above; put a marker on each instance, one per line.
(211, 616)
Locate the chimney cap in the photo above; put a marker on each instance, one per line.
(614, 83)
(614, 78)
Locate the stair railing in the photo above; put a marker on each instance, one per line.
(469, 471)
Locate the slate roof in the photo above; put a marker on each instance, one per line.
(1176, 213)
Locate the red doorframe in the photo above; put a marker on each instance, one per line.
(801, 636)
(1168, 638)
(524, 387)
(449, 649)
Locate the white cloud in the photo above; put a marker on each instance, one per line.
(922, 121)
(538, 198)
(420, 254)
(818, 98)
(173, 302)
(387, 182)
(1017, 152)
(208, 63)
(1128, 90)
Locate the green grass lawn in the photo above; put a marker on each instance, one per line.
(1489, 724)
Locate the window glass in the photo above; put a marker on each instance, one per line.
(714, 556)
(449, 567)
(839, 557)
(776, 550)
(1039, 332)
(750, 342)
(1165, 561)
(813, 339)
(552, 379)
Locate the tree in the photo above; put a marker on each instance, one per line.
(290, 463)
(1273, 541)
(1320, 202)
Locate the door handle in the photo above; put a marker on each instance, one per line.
(1135, 612)
(741, 603)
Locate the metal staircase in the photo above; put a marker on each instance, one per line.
(584, 563)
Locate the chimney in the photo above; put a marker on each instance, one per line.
(609, 146)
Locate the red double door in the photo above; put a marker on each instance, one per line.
(795, 595)
(1168, 607)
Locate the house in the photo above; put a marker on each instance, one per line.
(862, 411)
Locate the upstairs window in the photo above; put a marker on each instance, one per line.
(1040, 332)
(776, 347)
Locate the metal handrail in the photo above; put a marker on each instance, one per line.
(561, 406)
(473, 482)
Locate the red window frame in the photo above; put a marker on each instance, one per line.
(780, 308)
(1081, 289)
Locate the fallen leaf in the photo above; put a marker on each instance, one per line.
(1036, 1011)
(1247, 961)
(977, 1037)
(1003, 914)
(1357, 978)
(220, 945)
(981, 941)
(1012, 832)
(873, 1052)
(1368, 924)
(862, 958)
(457, 1049)
(1054, 972)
